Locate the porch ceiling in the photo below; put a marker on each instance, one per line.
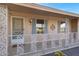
(18, 8)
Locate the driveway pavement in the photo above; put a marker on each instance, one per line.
(72, 51)
(68, 52)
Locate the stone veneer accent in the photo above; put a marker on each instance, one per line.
(3, 30)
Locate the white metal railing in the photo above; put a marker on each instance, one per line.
(32, 43)
(17, 39)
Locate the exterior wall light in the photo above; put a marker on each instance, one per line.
(30, 21)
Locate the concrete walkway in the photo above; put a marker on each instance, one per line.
(68, 52)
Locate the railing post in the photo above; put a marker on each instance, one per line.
(33, 43)
(20, 44)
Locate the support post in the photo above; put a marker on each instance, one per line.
(3, 30)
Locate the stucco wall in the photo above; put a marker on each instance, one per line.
(74, 25)
(28, 26)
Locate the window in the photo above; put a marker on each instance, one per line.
(62, 26)
(39, 26)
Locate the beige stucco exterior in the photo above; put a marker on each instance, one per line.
(28, 26)
(28, 16)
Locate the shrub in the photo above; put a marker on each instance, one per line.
(59, 53)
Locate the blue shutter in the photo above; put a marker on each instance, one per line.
(33, 26)
(46, 26)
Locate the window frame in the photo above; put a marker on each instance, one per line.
(59, 29)
(43, 27)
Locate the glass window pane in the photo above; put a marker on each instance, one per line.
(39, 21)
(62, 26)
(17, 25)
(40, 26)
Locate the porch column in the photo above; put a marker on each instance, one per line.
(68, 32)
(3, 30)
(78, 29)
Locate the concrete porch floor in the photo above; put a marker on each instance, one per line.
(68, 52)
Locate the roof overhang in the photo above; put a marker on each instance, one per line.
(44, 8)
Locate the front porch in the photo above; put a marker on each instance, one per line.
(32, 42)
(33, 31)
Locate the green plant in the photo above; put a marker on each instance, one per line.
(59, 53)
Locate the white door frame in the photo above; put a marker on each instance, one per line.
(12, 25)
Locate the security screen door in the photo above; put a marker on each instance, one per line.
(17, 30)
